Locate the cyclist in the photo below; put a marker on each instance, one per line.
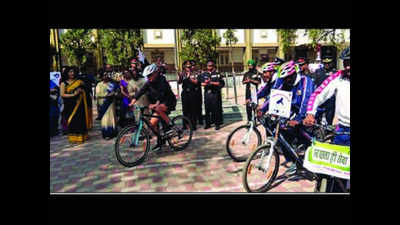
(338, 84)
(159, 93)
(301, 87)
(269, 78)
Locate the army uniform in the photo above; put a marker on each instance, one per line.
(213, 98)
(190, 96)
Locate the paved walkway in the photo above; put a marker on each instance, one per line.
(204, 166)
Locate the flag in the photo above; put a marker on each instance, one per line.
(55, 78)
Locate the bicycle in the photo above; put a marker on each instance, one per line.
(269, 158)
(137, 137)
(240, 142)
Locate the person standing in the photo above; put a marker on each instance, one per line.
(126, 77)
(75, 107)
(212, 82)
(199, 96)
(54, 109)
(251, 79)
(189, 96)
(105, 92)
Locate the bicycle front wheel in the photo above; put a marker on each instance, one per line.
(132, 146)
(242, 142)
(258, 173)
(182, 132)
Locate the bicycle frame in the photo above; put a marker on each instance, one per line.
(143, 118)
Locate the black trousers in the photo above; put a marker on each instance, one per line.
(213, 106)
(249, 112)
(199, 109)
(190, 106)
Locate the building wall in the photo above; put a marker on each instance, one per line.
(167, 36)
(271, 36)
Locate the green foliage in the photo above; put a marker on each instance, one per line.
(288, 38)
(120, 44)
(76, 46)
(230, 38)
(335, 38)
(200, 45)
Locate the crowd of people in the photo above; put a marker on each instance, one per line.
(324, 92)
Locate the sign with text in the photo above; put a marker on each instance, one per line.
(280, 102)
(329, 159)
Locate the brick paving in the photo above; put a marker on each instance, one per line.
(204, 166)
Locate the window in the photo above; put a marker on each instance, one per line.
(263, 33)
(157, 34)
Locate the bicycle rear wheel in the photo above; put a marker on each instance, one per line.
(242, 142)
(182, 132)
(128, 152)
(256, 177)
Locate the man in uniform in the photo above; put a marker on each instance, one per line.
(189, 83)
(212, 82)
(251, 79)
(199, 95)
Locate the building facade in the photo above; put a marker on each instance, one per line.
(262, 45)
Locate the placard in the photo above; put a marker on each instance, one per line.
(280, 103)
(329, 159)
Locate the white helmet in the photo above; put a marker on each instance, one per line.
(150, 69)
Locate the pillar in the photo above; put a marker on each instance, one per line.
(280, 52)
(178, 49)
(248, 49)
(98, 52)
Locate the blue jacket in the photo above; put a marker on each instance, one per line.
(302, 90)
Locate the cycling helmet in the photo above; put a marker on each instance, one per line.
(150, 69)
(345, 54)
(288, 69)
(268, 67)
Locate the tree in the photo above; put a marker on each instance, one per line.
(77, 45)
(200, 45)
(335, 38)
(287, 39)
(120, 44)
(230, 39)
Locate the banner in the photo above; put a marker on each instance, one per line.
(329, 159)
(280, 103)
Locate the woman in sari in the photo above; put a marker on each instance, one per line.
(75, 108)
(105, 93)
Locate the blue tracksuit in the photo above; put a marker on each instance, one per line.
(302, 90)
